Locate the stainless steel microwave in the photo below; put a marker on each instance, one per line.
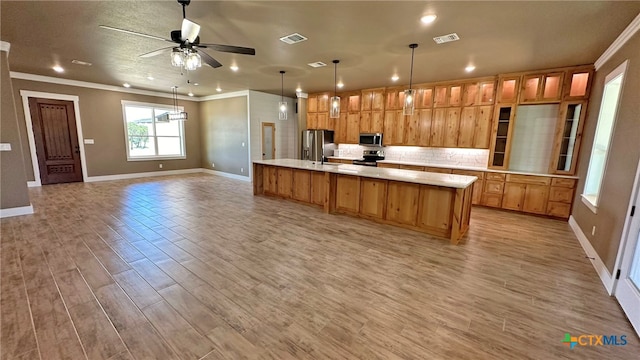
(371, 139)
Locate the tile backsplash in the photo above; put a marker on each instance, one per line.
(436, 156)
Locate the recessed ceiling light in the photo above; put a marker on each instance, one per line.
(58, 69)
(298, 89)
(80, 62)
(395, 78)
(190, 93)
(150, 77)
(218, 89)
(428, 19)
(469, 68)
(196, 84)
(233, 68)
(127, 85)
(340, 85)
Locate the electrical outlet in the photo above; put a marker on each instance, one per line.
(160, 165)
(241, 170)
(593, 231)
(213, 165)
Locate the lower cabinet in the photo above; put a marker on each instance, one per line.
(301, 185)
(373, 197)
(402, 202)
(348, 193)
(318, 188)
(478, 186)
(513, 196)
(434, 208)
(270, 180)
(285, 181)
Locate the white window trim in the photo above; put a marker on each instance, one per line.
(156, 157)
(592, 200)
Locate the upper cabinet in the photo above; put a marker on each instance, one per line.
(541, 88)
(479, 93)
(318, 112)
(577, 83)
(508, 87)
(568, 137)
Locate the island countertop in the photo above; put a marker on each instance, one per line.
(416, 177)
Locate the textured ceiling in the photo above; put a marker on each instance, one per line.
(370, 38)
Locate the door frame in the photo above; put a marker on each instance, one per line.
(273, 140)
(26, 94)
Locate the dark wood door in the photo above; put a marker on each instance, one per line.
(57, 147)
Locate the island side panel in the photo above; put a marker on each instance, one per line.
(435, 210)
(258, 187)
(461, 214)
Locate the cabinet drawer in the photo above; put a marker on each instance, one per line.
(493, 187)
(569, 183)
(561, 194)
(412, 167)
(494, 176)
(493, 200)
(478, 174)
(558, 209)
(437, 170)
(387, 165)
(528, 179)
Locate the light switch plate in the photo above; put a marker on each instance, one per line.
(88, 141)
(5, 147)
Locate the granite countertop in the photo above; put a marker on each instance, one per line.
(417, 177)
(461, 167)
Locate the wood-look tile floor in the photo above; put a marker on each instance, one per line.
(196, 267)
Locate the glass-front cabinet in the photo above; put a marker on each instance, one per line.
(567, 137)
(504, 117)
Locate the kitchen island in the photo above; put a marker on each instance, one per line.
(437, 204)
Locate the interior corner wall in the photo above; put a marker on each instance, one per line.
(622, 162)
(225, 135)
(13, 178)
(102, 120)
(264, 108)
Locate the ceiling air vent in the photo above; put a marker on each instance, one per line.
(293, 38)
(317, 64)
(446, 38)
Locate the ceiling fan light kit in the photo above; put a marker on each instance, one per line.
(334, 112)
(407, 108)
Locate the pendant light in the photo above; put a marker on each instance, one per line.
(282, 105)
(334, 112)
(409, 95)
(176, 114)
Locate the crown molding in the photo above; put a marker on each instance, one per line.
(5, 46)
(90, 85)
(224, 96)
(633, 27)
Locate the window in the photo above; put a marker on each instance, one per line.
(149, 133)
(604, 130)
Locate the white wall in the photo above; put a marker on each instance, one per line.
(263, 107)
(533, 137)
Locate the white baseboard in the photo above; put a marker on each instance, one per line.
(16, 211)
(33, 183)
(141, 175)
(224, 174)
(606, 277)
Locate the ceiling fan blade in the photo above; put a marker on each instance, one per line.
(155, 52)
(229, 48)
(189, 31)
(209, 60)
(135, 33)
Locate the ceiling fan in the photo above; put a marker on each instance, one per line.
(187, 53)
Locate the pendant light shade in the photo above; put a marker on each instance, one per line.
(334, 111)
(409, 95)
(282, 105)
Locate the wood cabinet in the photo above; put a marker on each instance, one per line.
(411, 167)
(373, 197)
(561, 195)
(270, 180)
(438, 126)
(577, 83)
(353, 128)
(424, 97)
(493, 189)
(412, 128)
(402, 202)
(541, 88)
(318, 112)
(567, 138)
(437, 170)
(340, 161)
(388, 165)
(424, 127)
(371, 122)
(323, 102)
(434, 206)
(482, 131)
(478, 186)
(312, 121)
(526, 193)
(394, 98)
(372, 99)
(394, 127)
(441, 96)
(467, 127)
(347, 193)
(513, 196)
(285, 182)
(452, 126)
(318, 188)
(301, 185)
(508, 89)
(487, 92)
(501, 134)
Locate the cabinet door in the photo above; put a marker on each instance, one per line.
(535, 199)
(491, 200)
(440, 96)
(312, 121)
(340, 135)
(365, 122)
(568, 137)
(435, 205)
(392, 99)
(452, 127)
(312, 103)
(323, 121)
(323, 102)
(377, 121)
(577, 84)
(354, 103)
(402, 202)
(487, 92)
(373, 197)
(513, 196)
(467, 127)
(302, 185)
(425, 98)
(366, 98)
(455, 95)
(531, 88)
(482, 132)
(377, 100)
(318, 187)
(438, 126)
(412, 131)
(270, 180)
(353, 128)
(552, 87)
(347, 193)
(504, 117)
(424, 127)
(558, 209)
(470, 94)
(508, 89)
(561, 194)
(389, 127)
(285, 182)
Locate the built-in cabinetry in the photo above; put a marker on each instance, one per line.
(318, 112)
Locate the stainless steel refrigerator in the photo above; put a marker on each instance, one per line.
(317, 145)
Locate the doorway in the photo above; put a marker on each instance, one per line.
(268, 141)
(627, 289)
(56, 142)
